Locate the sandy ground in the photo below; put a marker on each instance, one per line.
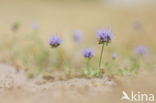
(16, 88)
(63, 19)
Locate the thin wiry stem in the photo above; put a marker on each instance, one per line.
(88, 60)
(101, 56)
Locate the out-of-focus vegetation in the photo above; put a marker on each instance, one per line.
(29, 49)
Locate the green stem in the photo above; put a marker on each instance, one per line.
(88, 60)
(101, 56)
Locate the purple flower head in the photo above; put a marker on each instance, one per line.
(104, 36)
(34, 26)
(78, 36)
(141, 50)
(114, 56)
(55, 41)
(88, 53)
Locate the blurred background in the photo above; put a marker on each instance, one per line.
(132, 22)
(27, 25)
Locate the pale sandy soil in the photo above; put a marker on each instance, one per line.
(16, 88)
(63, 19)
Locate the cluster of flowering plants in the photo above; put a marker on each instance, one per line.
(46, 58)
(135, 62)
(104, 38)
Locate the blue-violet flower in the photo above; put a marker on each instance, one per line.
(88, 53)
(104, 36)
(55, 41)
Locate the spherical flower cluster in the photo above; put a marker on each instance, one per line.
(34, 26)
(78, 36)
(141, 50)
(104, 36)
(88, 53)
(55, 41)
(114, 56)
